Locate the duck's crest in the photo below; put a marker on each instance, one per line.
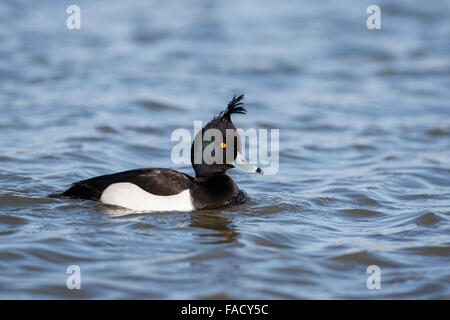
(234, 106)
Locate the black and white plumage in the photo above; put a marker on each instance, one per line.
(158, 189)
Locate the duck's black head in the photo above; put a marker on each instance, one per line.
(217, 147)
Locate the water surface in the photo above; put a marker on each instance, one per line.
(364, 121)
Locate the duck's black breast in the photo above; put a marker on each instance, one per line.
(215, 192)
(157, 181)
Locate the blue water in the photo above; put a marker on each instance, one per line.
(364, 120)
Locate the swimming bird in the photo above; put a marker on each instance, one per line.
(216, 149)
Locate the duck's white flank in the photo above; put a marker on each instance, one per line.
(129, 195)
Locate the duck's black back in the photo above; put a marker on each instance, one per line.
(157, 181)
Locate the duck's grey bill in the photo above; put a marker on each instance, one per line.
(242, 165)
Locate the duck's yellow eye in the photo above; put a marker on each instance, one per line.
(223, 145)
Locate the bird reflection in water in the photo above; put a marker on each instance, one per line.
(220, 228)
